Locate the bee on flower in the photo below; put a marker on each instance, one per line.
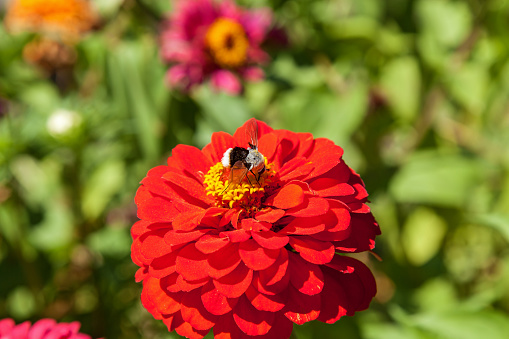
(250, 253)
(216, 41)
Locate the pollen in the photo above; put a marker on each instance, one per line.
(247, 195)
(227, 43)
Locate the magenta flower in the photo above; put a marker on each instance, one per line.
(43, 329)
(205, 40)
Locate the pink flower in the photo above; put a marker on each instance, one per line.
(43, 329)
(218, 41)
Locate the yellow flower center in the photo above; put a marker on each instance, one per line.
(227, 43)
(246, 195)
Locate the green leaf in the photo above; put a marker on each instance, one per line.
(465, 325)
(499, 222)
(436, 295)
(102, 185)
(448, 22)
(404, 99)
(436, 178)
(21, 303)
(422, 235)
(56, 230)
(470, 86)
(111, 241)
(225, 111)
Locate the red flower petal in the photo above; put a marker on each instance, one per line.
(136, 255)
(304, 276)
(141, 273)
(169, 283)
(157, 209)
(170, 320)
(223, 261)
(175, 237)
(262, 302)
(140, 227)
(327, 187)
(189, 285)
(270, 240)
(302, 308)
(296, 168)
(153, 244)
(163, 266)
(272, 289)
(357, 279)
(241, 135)
(338, 218)
(185, 329)
(236, 283)
(255, 256)
(277, 271)
(191, 160)
(281, 329)
(304, 226)
(364, 230)
(237, 235)
(314, 251)
(341, 172)
(211, 243)
(228, 329)
(306, 142)
(189, 189)
(287, 197)
(195, 314)
(191, 263)
(250, 320)
(325, 156)
(215, 302)
(250, 224)
(188, 221)
(221, 141)
(268, 144)
(334, 298)
(165, 302)
(312, 207)
(269, 215)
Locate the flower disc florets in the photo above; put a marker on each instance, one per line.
(251, 260)
(247, 195)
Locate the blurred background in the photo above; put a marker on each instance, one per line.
(415, 91)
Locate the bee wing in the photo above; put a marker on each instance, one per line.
(252, 132)
(237, 173)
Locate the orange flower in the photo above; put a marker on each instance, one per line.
(62, 19)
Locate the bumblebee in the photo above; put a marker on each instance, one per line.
(242, 161)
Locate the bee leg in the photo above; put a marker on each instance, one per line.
(260, 172)
(225, 188)
(254, 175)
(247, 176)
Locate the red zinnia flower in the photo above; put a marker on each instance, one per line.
(220, 41)
(43, 329)
(252, 258)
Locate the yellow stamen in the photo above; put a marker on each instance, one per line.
(246, 195)
(227, 42)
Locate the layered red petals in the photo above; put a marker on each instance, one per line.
(314, 251)
(254, 272)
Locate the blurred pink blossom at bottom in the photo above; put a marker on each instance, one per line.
(42, 329)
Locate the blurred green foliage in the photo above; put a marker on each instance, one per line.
(416, 91)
